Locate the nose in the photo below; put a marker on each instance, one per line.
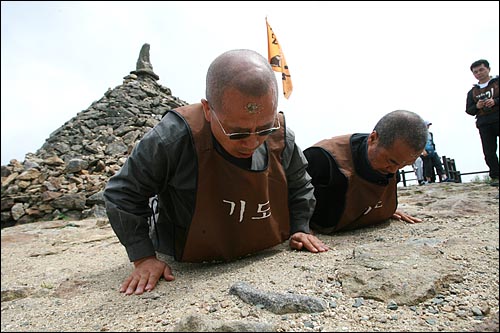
(392, 169)
(252, 142)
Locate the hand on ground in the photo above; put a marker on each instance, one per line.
(405, 217)
(145, 276)
(301, 240)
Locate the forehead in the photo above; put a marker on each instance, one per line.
(400, 152)
(235, 102)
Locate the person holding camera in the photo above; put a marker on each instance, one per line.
(483, 103)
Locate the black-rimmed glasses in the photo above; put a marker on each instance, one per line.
(243, 135)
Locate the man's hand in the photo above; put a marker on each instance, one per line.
(481, 104)
(145, 276)
(300, 240)
(489, 103)
(485, 103)
(405, 217)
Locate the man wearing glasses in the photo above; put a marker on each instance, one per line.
(228, 175)
(355, 175)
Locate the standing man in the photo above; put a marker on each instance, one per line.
(354, 175)
(418, 168)
(483, 102)
(228, 175)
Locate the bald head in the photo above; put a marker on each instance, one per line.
(402, 125)
(245, 70)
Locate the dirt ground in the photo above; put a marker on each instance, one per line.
(64, 276)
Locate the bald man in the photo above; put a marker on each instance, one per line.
(229, 178)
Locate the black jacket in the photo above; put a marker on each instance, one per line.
(484, 117)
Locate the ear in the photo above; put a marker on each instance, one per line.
(373, 137)
(206, 110)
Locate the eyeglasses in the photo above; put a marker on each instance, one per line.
(243, 135)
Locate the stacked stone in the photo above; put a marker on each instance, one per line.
(65, 178)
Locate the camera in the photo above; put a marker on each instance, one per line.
(483, 98)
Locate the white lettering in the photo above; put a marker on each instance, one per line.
(265, 212)
(263, 208)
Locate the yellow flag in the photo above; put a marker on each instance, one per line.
(277, 60)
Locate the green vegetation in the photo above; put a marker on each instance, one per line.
(62, 216)
(483, 179)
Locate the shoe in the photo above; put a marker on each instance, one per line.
(494, 182)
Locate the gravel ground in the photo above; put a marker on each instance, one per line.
(64, 276)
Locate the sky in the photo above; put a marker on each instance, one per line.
(350, 62)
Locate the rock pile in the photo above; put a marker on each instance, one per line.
(65, 178)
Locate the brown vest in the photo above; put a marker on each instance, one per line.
(238, 212)
(366, 203)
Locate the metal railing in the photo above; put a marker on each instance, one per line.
(449, 167)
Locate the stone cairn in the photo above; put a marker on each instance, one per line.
(66, 177)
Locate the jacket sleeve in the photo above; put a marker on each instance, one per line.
(301, 199)
(471, 104)
(127, 193)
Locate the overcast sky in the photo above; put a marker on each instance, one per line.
(350, 62)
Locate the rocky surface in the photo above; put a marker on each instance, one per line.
(66, 176)
(438, 275)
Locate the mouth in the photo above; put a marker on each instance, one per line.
(384, 172)
(245, 154)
